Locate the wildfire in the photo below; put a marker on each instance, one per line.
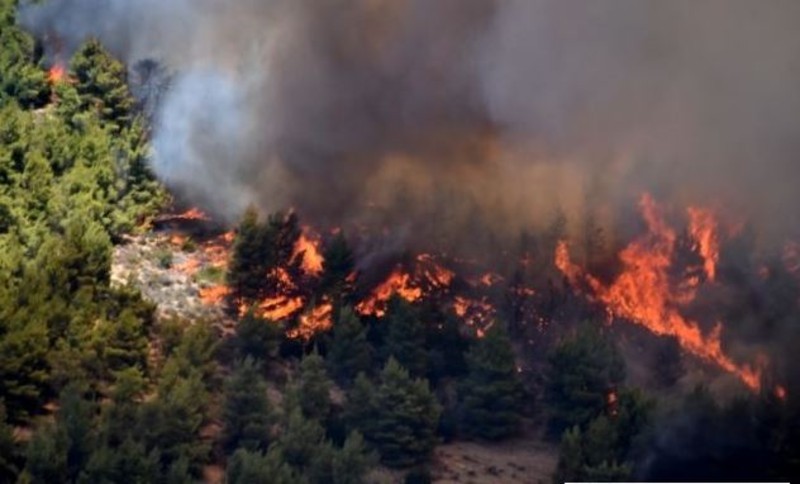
(276, 308)
(436, 275)
(564, 263)
(316, 320)
(399, 283)
(643, 294)
(428, 277)
(472, 311)
(214, 295)
(192, 214)
(57, 73)
(703, 229)
(308, 248)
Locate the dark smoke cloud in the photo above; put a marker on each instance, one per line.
(441, 116)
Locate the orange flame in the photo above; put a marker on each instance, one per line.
(214, 295)
(57, 73)
(398, 283)
(277, 308)
(308, 248)
(436, 275)
(193, 213)
(564, 263)
(703, 229)
(316, 320)
(473, 311)
(642, 293)
(780, 392)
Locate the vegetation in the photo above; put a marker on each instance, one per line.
(95, 388)
(491, 394)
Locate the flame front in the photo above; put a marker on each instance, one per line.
(643, 294)
(398, 283)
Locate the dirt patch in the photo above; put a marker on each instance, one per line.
(516, 461)
(169, 275)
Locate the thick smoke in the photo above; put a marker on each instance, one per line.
(440, 117)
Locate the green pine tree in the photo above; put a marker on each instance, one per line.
(246, 467)
(101, 82)
(349, 352)
(406, 418)
(570, 459)
(246, 413)
(10, 458)
(257, 338)
(583, 369)
(304, 447)
(492, 394)
(338, 267)
(405, 340)
(313, 388)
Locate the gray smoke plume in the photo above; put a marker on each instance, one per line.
(446, 115)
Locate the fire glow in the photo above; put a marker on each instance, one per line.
(57, 73)
(643, 293)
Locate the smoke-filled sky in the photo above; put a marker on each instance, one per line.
(464, 112)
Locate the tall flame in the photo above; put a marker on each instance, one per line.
(703, 229)
(642, 292)
(308, 248)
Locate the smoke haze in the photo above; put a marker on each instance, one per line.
(436, 117)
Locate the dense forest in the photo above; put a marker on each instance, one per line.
(94, 387)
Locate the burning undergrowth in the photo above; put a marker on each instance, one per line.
(673, 279)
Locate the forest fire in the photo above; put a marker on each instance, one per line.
(644, 294)
(308, 248)
(314, 321)
(645, 291)
(398, 283)
(703, 229)
(57, 73)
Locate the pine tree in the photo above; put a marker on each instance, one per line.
(599, 442)
(127, 463)
(352, 461)
(10, 458)
(257, 338)
(570, 460)
(313, 388)
(360, 409)
(248, 266)
(582, 370)
(667, 362)
(21, 79)
(304, 448)
(338, 267)
(491, 393)
(349, 352)
(24, 371)
(171, 423)
(46, 457)
(101, 81)
(405, 340)
(407, 415)
(246, 413)
(246, 467)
